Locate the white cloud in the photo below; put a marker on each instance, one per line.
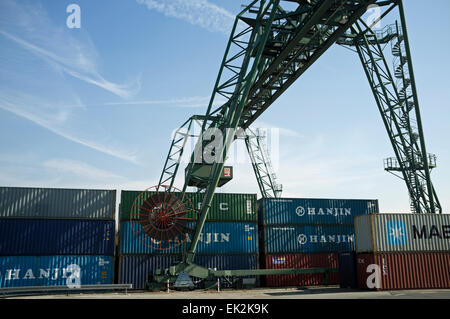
(54, 119)
(137, 184)
(79, 169)
(282, 131)
(78, 66)
(197, 12)
(28, 170)
(32, 108)
(29, 26)
(36, 59)
(188, 102)
(19, 179)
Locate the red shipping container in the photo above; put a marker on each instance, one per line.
(403, 271)
(283, 261)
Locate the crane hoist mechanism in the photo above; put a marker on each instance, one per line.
(272, 43)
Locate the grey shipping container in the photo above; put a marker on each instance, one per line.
(21, 202)
(383, 233)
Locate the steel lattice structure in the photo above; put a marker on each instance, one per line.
(395, 93)
(268, 50)
(262, 165)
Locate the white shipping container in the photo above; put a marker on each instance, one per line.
(382, 233)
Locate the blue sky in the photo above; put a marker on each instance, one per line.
(95, 107)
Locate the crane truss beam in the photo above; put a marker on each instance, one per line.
(396, 97)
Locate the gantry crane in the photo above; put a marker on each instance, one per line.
(269, 49)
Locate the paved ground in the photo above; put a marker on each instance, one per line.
(262, 293)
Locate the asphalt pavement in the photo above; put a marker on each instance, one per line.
(258, 293)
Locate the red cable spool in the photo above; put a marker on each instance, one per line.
(162, 217)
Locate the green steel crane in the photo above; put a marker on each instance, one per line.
(269, 49)
(395, 92)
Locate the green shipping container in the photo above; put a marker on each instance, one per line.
(224, 207)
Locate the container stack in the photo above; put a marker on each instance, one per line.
(229, 240)
(306, 233)
(56, 237)
(403, 251)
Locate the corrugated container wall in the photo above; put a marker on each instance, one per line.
(216, 238)
(403, 271)
(224, 207)
(134, 269)
(381, 233)
(283, 261)
(35, 237)
(290, 211)
(22, 271)
(307, 238)
(18, 202)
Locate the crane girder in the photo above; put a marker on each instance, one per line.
(268, 50)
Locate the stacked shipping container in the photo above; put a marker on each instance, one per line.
(229, 239)
(307, 233)
(403, 251)
(49, 236)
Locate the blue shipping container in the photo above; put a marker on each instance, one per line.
(216, 238)
(134, 269)
(313, 211)
(37, 237)
(23, 271)
(308, 239)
